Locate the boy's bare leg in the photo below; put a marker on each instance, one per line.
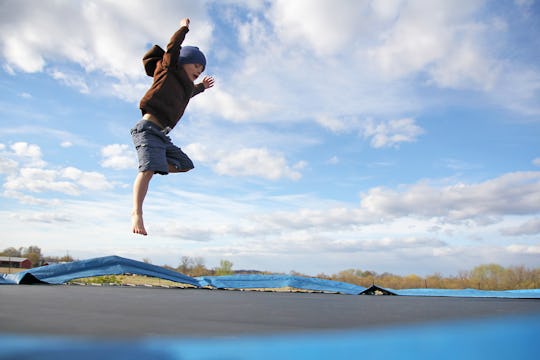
(140, 188)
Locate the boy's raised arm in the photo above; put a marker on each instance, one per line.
(175, 43)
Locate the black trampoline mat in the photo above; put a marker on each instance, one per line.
(111, 311)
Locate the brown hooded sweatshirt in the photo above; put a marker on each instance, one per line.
(171, 89)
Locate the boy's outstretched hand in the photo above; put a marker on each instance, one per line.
(184, 22)
(208, 82)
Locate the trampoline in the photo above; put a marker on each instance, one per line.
(73, 321)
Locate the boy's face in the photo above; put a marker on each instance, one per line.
(193, 70)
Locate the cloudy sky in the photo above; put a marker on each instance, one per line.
(386, 135)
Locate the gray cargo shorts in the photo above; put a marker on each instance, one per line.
(156, 150)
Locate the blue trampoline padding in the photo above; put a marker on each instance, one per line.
(495, 338)
(114, 265)
(250, 281)
(517, 294)
(108, 265)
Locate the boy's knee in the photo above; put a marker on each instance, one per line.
(146, 174)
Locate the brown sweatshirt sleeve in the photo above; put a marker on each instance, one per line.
(173, 47)
(199, 88)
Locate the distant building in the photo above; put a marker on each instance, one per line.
(15, 262)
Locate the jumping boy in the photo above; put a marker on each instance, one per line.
(174, 72)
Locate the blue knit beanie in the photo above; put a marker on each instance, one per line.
(191, 55)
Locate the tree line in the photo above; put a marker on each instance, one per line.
(33, 253)
(192, 266)
(484, 277)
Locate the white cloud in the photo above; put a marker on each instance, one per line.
(7, 166)
(391, 133)
(69, 181)
(39, 180)
(118, 157)
(519, 89)
(42, 217)
(381, 133)
(530, 227)
(386, 9)
(237, 108)
(86, 179)
(302, 21)
(31, 175)
(199, 152)
(14, 49)
(105, 37)
(512, 193)
(255, 162)
(26, 199)
(29, 154)
(536, 161)
(305, 218)
(259, 162)
(26, 150)
(465, 67)
(524, 249)
(130, 90)
(190, 232)
(457, 46)
(277, 79)
(334, 124)
(483, 204)
(446, 43)
(384, 244)
(72, 80)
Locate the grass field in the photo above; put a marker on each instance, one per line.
(7, 270)
(130, 280)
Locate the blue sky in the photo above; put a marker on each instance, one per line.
(394, 136)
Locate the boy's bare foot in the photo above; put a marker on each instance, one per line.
(137, 224)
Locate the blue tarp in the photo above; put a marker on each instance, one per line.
(518, 294)
(515, 294)
(279, 281)
(497, 338)
(108, 265)
(114, 265)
